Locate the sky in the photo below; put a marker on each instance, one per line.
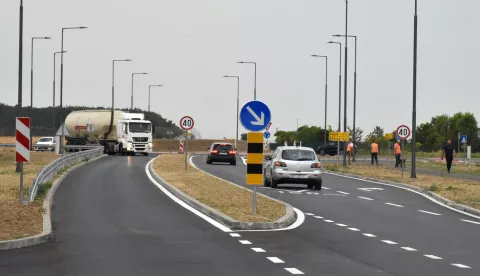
(188, 45)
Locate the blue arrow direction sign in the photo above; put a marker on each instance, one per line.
(463, 139)
(255, 116)
(266, 135)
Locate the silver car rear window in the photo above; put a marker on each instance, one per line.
(298, 155)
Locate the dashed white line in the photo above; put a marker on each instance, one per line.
(245, 242)
(281, 192)
(433, 257)
(341, 225)
(409, 249)
(258, 250)
(309, 214)
(319, 217)
(430, 213)
(367, 198)
(354, 229)
(301, 191)
(294, 271)
(461, 265)
(275, 260)
(396, 205)
(389, 242)
(369, 235)
(326, 188)
(343, 193)
(327, 220)
(470, 221)
(235, 235)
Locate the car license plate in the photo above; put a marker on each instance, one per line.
(223, 153)
(299, 176)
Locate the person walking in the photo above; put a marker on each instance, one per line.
(350, 152)
(374, 150)
(448, 154)
(397, 151)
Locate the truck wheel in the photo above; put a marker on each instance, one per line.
(121, 151)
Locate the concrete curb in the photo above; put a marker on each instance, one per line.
(437, 197)
(283, 222)
(47, 219)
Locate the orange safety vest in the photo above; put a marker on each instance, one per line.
(350, 146)
(374, 148)
(397, 149)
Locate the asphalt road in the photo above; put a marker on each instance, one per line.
(350, 230)
(109, 219)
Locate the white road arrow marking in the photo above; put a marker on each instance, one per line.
(371, 189)
(260, 120)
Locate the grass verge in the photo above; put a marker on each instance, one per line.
(231, 200)
(460, 191)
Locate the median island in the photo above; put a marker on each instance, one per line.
(228, 199)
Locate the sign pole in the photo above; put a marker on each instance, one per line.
(186, 151)
(401, 157)
(21, 183)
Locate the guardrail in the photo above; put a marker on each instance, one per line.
(46, 174)
(5, 146)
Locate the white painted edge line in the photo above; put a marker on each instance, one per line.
(309, 214)
(470, 221)
(275, 260)
(340, 192)
(244, 160)
(389, 242)
(354, 229)
(430, 213)
(327, 220)
(409, 249)
(244, 242)
(461, 265)
(326, 188)
(366, 198)
(183, 204)
(396, 205)
(341, 225)
(258, 250)
(294, 271)
(369, 235)
(433, 257)
(235, 235)
(406, 189)
(319, 217)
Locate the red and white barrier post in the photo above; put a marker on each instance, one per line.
(22, 154)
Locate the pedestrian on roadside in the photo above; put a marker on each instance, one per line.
(350, 152)
(397, 151)
(448, 154)
(374, 150)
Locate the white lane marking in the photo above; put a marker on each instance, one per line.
(280, 192)
(312, 193)
(343, 193)
(406, 189)
(409, 249)
(183, 204)
(396, 205)
(369, 235)
(235, 235)
(341, 225)
(470, 221)
(275, 260)
(334, 195)
(326, 188)
(327, 220)
(433, 257)
(300, 215)
(319, 217)
(461, 265)
(244, 160)
(389, 242)
(370, 189)
(354, 229)
(245, 242)
(362, 197)
(294, 271)
(309, 214)
(258, 250)
(430, 213)
(301, 191)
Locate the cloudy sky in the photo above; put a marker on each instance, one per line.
(187, 45)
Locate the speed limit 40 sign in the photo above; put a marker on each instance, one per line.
(186, 123)
(403, 132)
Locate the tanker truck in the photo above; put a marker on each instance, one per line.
(124, 133)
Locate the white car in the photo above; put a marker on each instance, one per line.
(44, 144)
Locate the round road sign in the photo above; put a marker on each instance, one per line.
(187, 123)
(403, 132)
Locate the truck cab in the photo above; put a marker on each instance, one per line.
(134, 134)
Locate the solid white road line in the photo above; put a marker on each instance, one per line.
(275, 260)
(340, 192)
(470, 221)
(389, 242)
(461, 265)
(341, 225)
(319, 217)
(326, 188)
(367, 198)
(396, 205)
(369, 235)
(301, 191)
(245, 242)
(309, 214)
(430, 213)
(258, 250)
(183, 204)
(294, 271)
(327, 220)
(244, 160)
(409, 249)
(354, 229)
(433, 257)
(235, 235)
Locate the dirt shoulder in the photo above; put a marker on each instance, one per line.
(460, 191)
(231, 200)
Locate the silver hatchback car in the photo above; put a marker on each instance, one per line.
(293, 165)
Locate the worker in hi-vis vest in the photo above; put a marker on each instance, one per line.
(350, 152)
(374, 150)
(398, 153)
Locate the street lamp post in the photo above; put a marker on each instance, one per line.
(238, 105)
(255, 85)
(414, 109)
(131, 100)
(326, 93)
(54, 85)
(345, 86)
(19, 167)
(149, 92)
(339, 93)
